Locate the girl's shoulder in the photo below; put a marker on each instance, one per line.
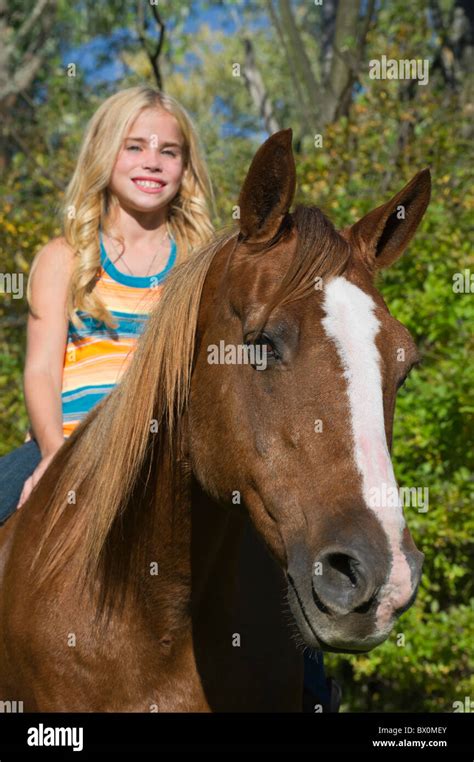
(51, 270)
(56, 251)
(54, 260)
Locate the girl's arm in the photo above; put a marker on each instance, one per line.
(46, 344)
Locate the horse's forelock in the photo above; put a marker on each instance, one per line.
(321, 252)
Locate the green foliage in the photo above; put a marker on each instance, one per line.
(428, 670)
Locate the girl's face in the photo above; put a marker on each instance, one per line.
(149, 167)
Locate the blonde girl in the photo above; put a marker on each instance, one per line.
(139, 201)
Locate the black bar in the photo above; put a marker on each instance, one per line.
(151, 733)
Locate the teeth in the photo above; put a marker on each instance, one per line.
(148, 184)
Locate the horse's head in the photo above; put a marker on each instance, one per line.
(299, 360)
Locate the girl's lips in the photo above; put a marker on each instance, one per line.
(148, 186)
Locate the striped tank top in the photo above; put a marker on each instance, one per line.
(97, 356)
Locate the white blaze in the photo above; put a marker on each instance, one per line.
(351, 323)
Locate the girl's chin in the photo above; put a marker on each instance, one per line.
(147, 204)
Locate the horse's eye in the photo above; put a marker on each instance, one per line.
(266, 343)
(262, 352)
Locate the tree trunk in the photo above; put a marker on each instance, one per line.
(256, 87)
(23, 50)
(301, 62)
(344, 56)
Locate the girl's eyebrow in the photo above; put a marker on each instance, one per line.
(145, 140)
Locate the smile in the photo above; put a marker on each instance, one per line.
(149, 186)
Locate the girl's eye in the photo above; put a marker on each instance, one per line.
(138, 148)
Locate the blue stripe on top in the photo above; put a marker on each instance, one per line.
(135, 280)
(73, 402)
(128, 326)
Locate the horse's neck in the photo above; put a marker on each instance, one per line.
(195, 545)
(217, 606)
(216, 532)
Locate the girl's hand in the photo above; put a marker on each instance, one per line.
(33, 480)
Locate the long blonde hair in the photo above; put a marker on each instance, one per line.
(88, 201)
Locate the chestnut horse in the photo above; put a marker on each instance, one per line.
(208, 521)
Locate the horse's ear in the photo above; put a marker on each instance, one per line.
(383, 234)
(268, 189)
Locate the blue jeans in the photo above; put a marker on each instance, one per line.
(15, 468)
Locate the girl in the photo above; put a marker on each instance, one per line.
(137, 203)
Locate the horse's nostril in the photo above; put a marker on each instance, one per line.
(345, 565)
(341, 583)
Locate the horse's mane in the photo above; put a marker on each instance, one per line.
(104, 459)
(107, 461)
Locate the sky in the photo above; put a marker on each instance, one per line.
(89, 56)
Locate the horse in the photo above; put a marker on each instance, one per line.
(208, 521)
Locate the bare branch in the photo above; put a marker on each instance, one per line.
(153, 56)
